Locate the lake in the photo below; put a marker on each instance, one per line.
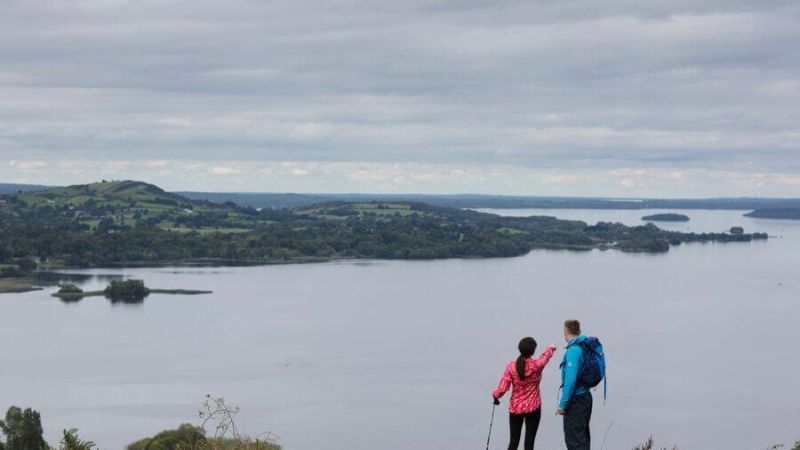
(388, 355)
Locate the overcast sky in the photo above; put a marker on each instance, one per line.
(558, 97)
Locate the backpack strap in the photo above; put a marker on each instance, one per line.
(605, 388)
(581, 345)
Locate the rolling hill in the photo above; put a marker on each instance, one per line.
(105, 192)
(12, 188)
(124, 203)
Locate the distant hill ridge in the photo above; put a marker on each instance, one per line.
(121, 190)
(13, 188)
(293, 200)
(126, 190)
(122, 204)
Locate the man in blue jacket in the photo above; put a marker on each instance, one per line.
(576, 400)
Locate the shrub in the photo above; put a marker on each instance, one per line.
(70, 289)
(185, 437)
(71, 441)
(217, 415)
(215, 412)
(650, 444)
(127, 290)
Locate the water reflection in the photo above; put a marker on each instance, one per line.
(127, 302)
(49, 278)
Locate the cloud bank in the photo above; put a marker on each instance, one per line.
(526, 97)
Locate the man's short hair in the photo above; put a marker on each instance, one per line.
(573, 327)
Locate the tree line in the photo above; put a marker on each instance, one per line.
(425, 232)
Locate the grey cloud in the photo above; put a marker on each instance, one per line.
(703, 85)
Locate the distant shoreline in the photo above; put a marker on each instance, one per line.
(776, 213)
(18, 285)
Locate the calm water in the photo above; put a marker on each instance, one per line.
(701, 342)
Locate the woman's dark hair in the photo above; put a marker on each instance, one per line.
(527, 347)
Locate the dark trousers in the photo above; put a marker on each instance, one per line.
(531, 421)
(576, 422)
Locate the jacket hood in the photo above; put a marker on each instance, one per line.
(577, 340)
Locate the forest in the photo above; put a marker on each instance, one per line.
(132, 223)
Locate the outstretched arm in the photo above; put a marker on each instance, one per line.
(544, 358)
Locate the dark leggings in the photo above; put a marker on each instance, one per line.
(531, 421)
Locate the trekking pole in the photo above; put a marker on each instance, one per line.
(491, 422)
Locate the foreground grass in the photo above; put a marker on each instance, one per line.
(650, 444)
(217, 416)
(217, 431)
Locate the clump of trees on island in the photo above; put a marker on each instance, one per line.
(125, 291)
(118, 290)
(666, 217)
(69, 289)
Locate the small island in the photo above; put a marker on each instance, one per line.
(125, 291)
(666, 217)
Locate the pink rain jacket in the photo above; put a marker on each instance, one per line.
(525, 395)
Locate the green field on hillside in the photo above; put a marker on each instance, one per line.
(130, 222)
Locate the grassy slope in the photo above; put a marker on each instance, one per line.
(114, 192)
(10, 285)
(128, 198)
(127, 202)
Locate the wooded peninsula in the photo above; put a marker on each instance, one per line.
(130, 223)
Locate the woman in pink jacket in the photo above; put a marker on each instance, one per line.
(523, 375)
